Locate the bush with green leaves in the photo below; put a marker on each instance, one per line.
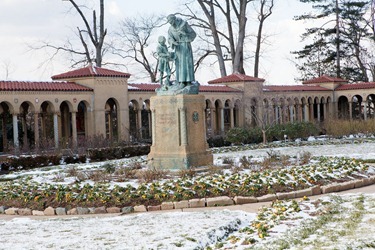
(276, 132)
(237, 136)
(292, 130)
(244, 135)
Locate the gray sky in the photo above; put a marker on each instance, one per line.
(25, 22)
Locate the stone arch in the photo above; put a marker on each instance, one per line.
(134, 119)
(357, 107)
(297, 110)
(47, 111)
(219, 117)
(6, 111)
(304, 109)
(329, 108)
(227, 114)
(276, 110)
(315, 107)
(321, 108)
(145, 129)
(266, 111)
(281, 110)
(111, 119)
(370, 107)
(254, 114)
(65, 109)
(82, 119)
(26, 121)
(310, 104)
(237, 113)
(343, 107)
(209, 118)
(289, 110)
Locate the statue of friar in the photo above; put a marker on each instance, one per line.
(180, 36)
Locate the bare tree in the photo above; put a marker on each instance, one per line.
(265, 10)
(92, 49)
(232, 49)
(8, 68)
(133, 40)
(225, 25)
(96, 33)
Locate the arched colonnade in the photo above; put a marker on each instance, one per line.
(50, 123)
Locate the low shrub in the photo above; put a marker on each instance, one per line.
(151, 175)
(14, 163)
(238, 136)
(292, 130)
(101, 154)
(217, 141)
(276, 132)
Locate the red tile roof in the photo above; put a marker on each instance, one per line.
(361, 85)
(325, 79)
(236, 77)
(41, 86)
(289, 88)
(90, 71)
(218, 88)
(149, 87)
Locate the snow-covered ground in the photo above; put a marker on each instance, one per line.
(167, 230)
(182, 230)
(358, 151)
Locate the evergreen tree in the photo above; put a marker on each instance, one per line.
(339, 46)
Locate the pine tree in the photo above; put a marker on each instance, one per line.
(338, 45)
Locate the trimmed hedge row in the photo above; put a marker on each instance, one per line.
(93, 155)
(273, 133)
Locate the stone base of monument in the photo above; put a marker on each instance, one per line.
(178, 132)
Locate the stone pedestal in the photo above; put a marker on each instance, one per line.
(178, 132)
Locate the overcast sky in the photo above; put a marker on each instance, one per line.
(24, 22)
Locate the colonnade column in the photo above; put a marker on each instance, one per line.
(149, 123)
(350, 111)
(325, 111)
(221, 121)
(213, 121)
(15, 131)
(3, 125)
(307, 115)
(300, 113)
(231, 110)
(74, 129)
(311, 111)
(56, 129)
(334, 110)
(365, 110)
(318, 111)
(24, 128)
(277, 120)
(36, 129)
(139, 123)
(291, 113)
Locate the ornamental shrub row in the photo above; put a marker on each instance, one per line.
(92, 155)
(273, 133)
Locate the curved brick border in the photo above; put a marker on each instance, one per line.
(195, 203)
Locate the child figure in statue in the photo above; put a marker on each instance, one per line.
(164, 58)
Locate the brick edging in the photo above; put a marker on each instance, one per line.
(195, 203)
